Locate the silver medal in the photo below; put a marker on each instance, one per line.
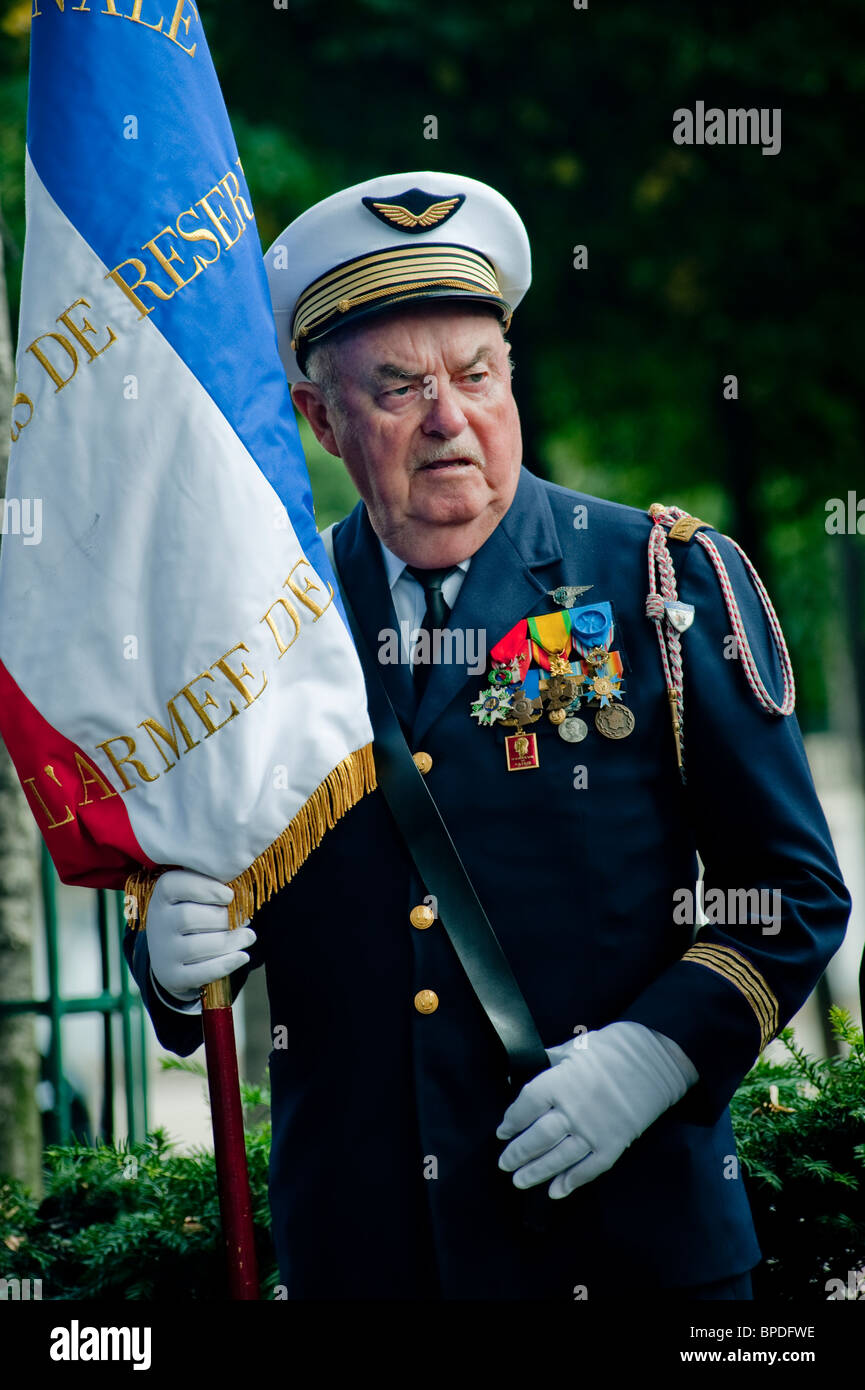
(573, 730)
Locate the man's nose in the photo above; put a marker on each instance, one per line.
(444, 415)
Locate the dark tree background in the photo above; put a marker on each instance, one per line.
(702, 261)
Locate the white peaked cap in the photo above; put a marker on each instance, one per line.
(389, 240)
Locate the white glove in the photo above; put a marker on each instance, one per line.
(188, 936)
(601, 1092)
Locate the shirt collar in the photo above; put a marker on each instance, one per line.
(395, 567)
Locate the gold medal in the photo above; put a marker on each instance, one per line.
(559, 665)
(601, 685)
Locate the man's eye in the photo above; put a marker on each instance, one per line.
(399, 391)
(475, 377)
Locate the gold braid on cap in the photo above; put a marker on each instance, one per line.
(399, 272)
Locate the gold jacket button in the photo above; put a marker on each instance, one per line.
(426, 1001)
(421, 917)
(423, 762)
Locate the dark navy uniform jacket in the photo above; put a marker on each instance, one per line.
(384, 1177)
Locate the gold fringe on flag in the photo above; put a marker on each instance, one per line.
(341, 789)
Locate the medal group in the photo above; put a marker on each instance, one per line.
(553, 664)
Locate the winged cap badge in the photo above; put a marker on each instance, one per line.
(414, 210)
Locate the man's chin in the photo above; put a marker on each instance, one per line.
(457, 495)
(444, 535)
(449, 513)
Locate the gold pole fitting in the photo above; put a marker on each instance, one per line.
(217, 995)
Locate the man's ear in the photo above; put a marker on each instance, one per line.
(312, 405)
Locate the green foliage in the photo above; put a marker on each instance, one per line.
(133, 1222)
(800, 1130)
(142, 1222)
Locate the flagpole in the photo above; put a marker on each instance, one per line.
(232, 1175)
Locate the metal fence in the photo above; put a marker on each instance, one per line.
(117, 999)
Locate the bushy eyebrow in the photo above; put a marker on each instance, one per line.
(388, 372)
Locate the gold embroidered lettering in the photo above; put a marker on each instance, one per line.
(200, 234)
(309, 603)
(234, 677)
(135, 17)
(92, 777)
(222, 217)
(85, 327)
(238, 202)
(165, 261)
(19, 425)
(200, 706)
(154, 729)
(179, 18)
(282, 647)
(53, 824)
(129, 290)
(117, 763)
(59, 381)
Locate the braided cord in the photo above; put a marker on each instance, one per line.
(749, 665)
(661, 573)
(662, 589)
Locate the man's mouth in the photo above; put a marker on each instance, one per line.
(437, 464)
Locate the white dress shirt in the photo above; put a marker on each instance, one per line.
(408, 596)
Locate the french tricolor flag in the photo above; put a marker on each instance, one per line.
(177, 682)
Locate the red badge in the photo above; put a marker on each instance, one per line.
(522, 752)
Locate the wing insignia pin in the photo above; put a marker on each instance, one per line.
(414, 210)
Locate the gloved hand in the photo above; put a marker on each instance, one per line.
(188, 936)
(601, 1092)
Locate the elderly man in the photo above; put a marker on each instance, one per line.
(400, 1141)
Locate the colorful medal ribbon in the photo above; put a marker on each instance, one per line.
(511, 656)
(591, 626)
(592, 630)
(551, 639)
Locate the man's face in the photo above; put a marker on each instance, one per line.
(427, 426)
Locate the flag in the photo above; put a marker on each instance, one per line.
(177, 682)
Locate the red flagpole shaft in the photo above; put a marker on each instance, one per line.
(232, 1176)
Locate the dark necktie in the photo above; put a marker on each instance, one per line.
(435, 617)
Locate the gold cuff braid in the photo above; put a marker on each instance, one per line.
(746, 978)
